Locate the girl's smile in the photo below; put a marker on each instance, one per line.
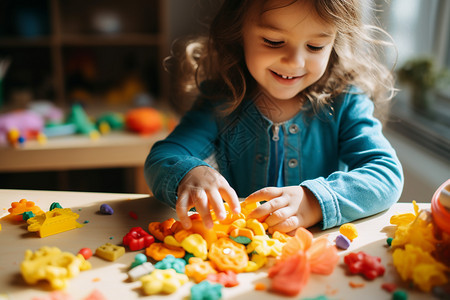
(286, 47)
(285, 79)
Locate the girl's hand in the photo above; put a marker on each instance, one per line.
(204, 188)
(288, 208)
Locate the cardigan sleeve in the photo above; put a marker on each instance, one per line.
(185, 148)
(373, 180)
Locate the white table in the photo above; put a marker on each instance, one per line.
(111, 277)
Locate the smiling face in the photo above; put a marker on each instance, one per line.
(286, 47)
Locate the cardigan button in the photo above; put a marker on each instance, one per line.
(292, 163)
(260, 158)
(293, 128)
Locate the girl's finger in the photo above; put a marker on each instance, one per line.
(200, 200)
(182, 208)
(269, 207)
(279, 215)
(216, 202)
(264, 194)
(287, 225)
(229, 195)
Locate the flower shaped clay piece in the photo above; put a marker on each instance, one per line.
(198, 269)
(205, 290)
(18, 208)
(227, 278)
(163, 281)
(226, 254)
(362, 263)
(137, 239)
(53, 265)
(170, 262)
(158, 251)
(300, 257)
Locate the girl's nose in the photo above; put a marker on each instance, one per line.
(294, 57)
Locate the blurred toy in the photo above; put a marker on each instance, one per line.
(110, 252)
(257, 262)
(289, 276)
(58, 129)
(77, 122)
(158, 251)
(137, 239)
(53, 265)
(47, 110)
(110, 121)
(421, 244)
(342, 242)
(105, 209)
(130, 89)
(19, 208)
(95, 295)
(28, 215)
(196, 245)
(83, 125)
(226, 254)
(205, 290)
(199, 269)
(140, 270)
(419, 266)
(139, 259)
(362, 263)
(161, 230)
(163, 281)
(13, 136)
(55, 205)
(133, 215)
(170, 262)
(144, 120)
(349, 231)
(52, 222)
(227, 278)
(86, 252)
(264, 245)
(24, 123)
(301, 255)
(55, 295)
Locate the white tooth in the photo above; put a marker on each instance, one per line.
(285, 77)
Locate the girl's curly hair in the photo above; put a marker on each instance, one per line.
(354, 60)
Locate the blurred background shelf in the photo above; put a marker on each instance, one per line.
(51, 42)
(53, 162)
(107, 55)
(116, 149)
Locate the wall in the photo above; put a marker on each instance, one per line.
(424, 171)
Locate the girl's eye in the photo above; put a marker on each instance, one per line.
(273, 44)
(314, 48)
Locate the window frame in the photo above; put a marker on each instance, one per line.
(430, 129)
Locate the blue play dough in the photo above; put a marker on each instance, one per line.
(105, 209)
(342, 242)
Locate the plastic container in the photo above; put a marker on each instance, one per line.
(441, 216)
(441, 220)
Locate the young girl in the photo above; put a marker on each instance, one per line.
(284, 105)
